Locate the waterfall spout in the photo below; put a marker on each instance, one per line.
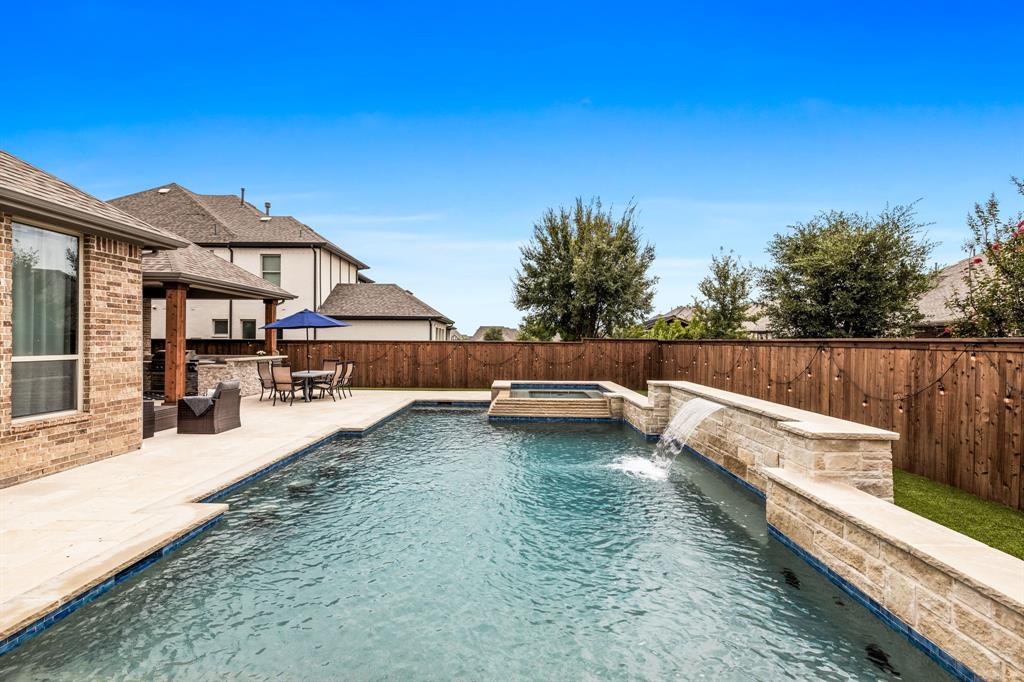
(673, 440)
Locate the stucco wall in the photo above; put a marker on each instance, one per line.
(309, 274)
(380, 330)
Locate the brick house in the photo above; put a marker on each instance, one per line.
(70, 323)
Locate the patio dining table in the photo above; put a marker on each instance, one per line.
(307, 377)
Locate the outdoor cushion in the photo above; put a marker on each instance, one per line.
(198, 403)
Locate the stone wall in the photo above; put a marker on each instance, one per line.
(948, 590)
(748, 435)
(241, 368)
(110, 421)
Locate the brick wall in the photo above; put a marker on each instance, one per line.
(110, 422)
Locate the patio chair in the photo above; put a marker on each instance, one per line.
(266, 377)
(346, 381)
(215, 413)
(284, 384)
(332, 383)
(330, 364)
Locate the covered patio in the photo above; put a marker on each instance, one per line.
(195, 273)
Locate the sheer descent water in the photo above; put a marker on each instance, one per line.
(443, 546)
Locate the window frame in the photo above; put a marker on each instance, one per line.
(264, 270)
(255, 328)
(79, 358)
(227, 326)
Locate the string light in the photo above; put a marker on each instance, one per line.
(942, 389)
(864, 403)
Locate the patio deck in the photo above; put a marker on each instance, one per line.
(65, 534)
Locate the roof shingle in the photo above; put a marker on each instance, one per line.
(24, 184)
(220, 219)
(197, 266)
(381, 301)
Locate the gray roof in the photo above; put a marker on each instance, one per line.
(32, 192)
(684, 313)
(507, 333)
(221, 220)
(949, 280)
(377, 301)
(197, 267)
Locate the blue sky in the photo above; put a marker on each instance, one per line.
(426, 140)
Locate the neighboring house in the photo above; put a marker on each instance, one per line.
(933, 304)
(756, 329)
(280, 249)
(507, 333)
(382, 312)
(70, 324)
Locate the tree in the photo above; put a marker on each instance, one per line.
(847, 275)
(664, 330)
(532, 330)
(584, 272)
(727, 297)
(992, 301)
(494, 334)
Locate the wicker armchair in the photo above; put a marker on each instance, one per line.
(222, 415)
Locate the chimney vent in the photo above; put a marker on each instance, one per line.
(241, 201)
(266, 206)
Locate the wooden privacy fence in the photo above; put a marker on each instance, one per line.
(956, 404)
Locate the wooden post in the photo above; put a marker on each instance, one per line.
(174, 350)
(270, 315)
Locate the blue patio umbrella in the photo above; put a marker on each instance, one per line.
(306, 319)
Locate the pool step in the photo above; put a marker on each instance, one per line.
(587, 408)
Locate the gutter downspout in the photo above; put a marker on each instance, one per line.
(231, 301)
(315, 303)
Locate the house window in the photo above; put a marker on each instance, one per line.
(220, 327)
(46, 346)
(270, 265)
(248, 329)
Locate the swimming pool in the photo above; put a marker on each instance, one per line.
(561, 394)
(445, 546)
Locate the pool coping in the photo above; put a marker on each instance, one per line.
(57, 609)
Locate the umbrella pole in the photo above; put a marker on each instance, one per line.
(307, 349)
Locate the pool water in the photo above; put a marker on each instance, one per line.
(443, 546)
(552, 393)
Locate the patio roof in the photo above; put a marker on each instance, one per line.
(33, 193)
(207, 276)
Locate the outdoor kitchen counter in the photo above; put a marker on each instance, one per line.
(229, 367)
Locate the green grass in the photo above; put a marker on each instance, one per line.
(990, 522)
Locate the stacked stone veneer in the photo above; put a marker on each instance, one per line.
(110, 421)
(895, 558)
(748, 435)
(242, 368)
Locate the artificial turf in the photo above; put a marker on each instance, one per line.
(994, 524)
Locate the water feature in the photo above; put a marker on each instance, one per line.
(445, 546)
(673, 440)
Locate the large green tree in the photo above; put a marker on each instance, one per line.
(585, 272)
(727, 291)
(847, 275)
(991, 302)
